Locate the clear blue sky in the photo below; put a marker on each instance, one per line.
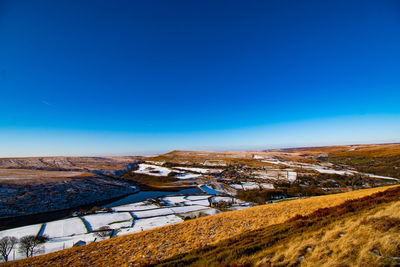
(130, 77)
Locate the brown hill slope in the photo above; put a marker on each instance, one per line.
(152, 246)
(360, 232)
(67, 163)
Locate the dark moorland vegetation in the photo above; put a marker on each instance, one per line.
(259, 196)
(385, 166)
(380, 160)
(311, 185)
(150, 180)
(337, 181)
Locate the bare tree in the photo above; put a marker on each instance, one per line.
(7, 243)
(30, 245)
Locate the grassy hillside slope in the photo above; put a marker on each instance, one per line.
(361, 232)
(159, 244)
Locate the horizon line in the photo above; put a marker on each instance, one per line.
(213, 151)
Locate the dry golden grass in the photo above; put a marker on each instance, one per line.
(286, 244)
(358, 241)
(161, 243)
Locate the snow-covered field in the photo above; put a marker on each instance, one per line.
(150, 223)
(184, 176)
(183, 173)
(152, 170)
(174, 200)
(187, 200)
(146, 224)
(108, 219)
(171, 210)
(199, 170)
(245, 186)
(219, 199)
(201, 202)
(59, 243)
(152, 213)
(62, 234)
(138, 206)
(185, 209)
(236, 186)
(22, 231)
(56, 244)
(194, 198)
(67, 227)
(250, 185)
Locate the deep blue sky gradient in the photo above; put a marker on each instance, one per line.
(127, 77)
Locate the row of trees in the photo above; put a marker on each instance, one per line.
(28, 245)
